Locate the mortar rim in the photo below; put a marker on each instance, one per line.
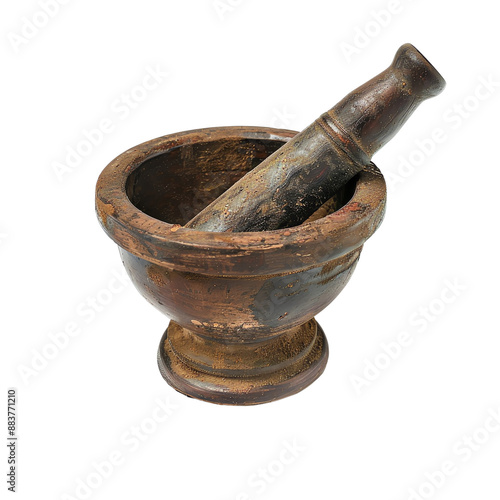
(185, 249)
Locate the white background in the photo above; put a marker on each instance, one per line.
(269, 63)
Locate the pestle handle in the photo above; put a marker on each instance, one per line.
(374, 112)
(293, 182)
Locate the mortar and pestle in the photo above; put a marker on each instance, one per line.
(241, 235)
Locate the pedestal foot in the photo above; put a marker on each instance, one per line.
(242, 374)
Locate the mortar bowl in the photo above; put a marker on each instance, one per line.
(242, 305)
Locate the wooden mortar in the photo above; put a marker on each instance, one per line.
(242, 304)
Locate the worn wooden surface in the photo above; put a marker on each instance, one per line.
(241, 303)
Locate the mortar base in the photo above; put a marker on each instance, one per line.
(242, 373)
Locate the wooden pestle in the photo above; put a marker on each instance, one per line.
(292, 183)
